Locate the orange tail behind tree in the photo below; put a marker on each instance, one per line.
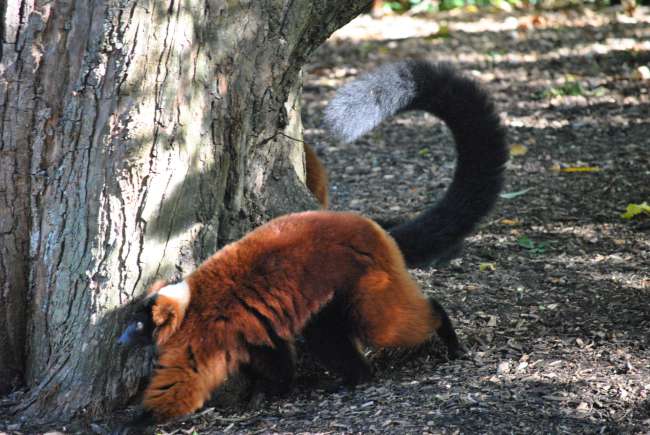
(316, 180)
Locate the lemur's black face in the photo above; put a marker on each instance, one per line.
(139, 331)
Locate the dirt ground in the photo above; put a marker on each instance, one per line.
(552, 295)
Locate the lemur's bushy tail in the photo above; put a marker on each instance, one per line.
(481, 149)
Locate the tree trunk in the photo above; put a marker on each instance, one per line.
(137, 138)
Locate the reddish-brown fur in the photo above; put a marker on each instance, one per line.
(264, 289)
(316, 176)
(166, 313)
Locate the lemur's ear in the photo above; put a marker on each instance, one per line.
(169, 309)
(167, 315)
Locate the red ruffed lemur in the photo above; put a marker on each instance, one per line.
(337, 279)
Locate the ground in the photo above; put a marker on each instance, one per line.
(551, 293)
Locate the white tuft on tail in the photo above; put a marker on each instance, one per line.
(361, 105)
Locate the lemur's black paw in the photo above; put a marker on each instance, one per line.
(458, 352)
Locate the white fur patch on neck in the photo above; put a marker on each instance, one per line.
(178, 292)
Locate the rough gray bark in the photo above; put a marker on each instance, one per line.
(15, 168)
(137, 138)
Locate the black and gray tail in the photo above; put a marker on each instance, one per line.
(481, 149)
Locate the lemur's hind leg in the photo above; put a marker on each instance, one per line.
(446, 331)
(329, 337)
